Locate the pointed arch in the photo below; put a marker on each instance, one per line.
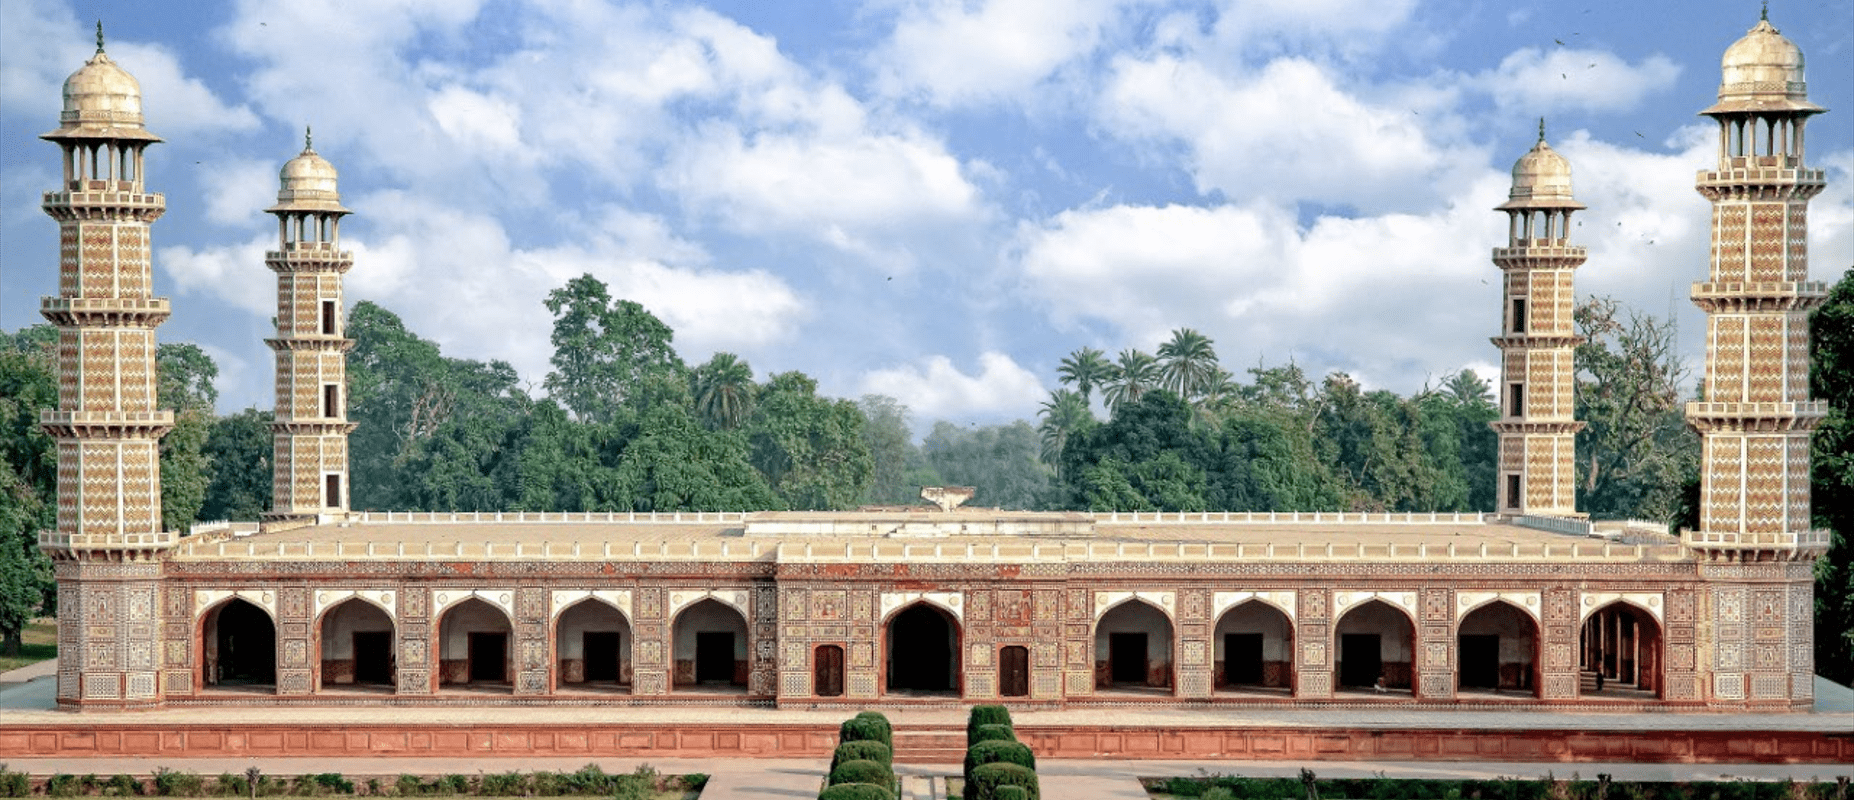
(1134, 640)
(709, 640)
(1376, 641)
(356, 644)
(236, 645)
(1497, 648)
(1253, 647)
(592, 639)
(949, 603)
(1621, 652)
(921, 649)
(474, 644)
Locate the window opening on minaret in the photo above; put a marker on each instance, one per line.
(328, 317)
(1519, 315)
(1515, 399)
(333, 497)
(1513, 487)
(331, 399)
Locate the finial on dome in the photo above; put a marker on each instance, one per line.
(1765, 14)
(1541, 130)
(308, 139)
(99, 37)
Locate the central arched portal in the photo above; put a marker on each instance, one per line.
(923, 651)
(473, 647)
(592, 642)
(1377, 649)
(238, 644)
(356, 646)
(1496, 649)
(710, 640)
(1133, 648)
(1254, 649)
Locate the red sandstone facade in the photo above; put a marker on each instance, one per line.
(922, 606)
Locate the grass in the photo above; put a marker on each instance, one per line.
(41, 643)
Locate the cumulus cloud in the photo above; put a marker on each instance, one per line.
(934, 388)
(955, 53)
(237, 190)
(1532, 80)
(233, 273)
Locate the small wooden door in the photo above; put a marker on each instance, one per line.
(1014, 671)
(827, 671)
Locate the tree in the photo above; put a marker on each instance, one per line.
(723, 390)
(672, 463)
(1064, 415)
(608, 352)
(1831, 378)
(1134, 374)
(28, 478)
(809, 448)
(1471, 402)
(238, 453)
(1086, 369)
(1186, 363)
(1130, 453)
(892, 454)
(1635, 450)
(183, 383)
(999, 461)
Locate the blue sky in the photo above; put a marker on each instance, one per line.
(930, 199)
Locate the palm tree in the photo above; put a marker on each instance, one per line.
(1187, 363)
(1134, 374)
(1467, 389)
(1064, 414)
(1220, 393)
(1086, 368)
(724, 391)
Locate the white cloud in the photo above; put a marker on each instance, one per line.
(956, 53)
(936, 389)
(1538, 81)
(237, 190)
(1289, 132)
(233, 273)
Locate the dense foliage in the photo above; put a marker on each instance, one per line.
(627, 426)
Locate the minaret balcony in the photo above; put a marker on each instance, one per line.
(1755, 417)
(106, 424)
(1761, 546)
(1536, 340)
(107, 194)
(1772, 296)
(314, 341)
(105, 311)
(65, 543)
(1540, 253)
(309, 256)
(1760, 171)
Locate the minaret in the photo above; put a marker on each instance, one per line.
(1756, 416)
(1538, 339)
(108, 546)
(309, 479)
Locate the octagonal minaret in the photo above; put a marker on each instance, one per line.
(108, 546)
(310, 426)
(1538, 339)
(1756, 418)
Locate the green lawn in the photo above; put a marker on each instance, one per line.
(41, 643)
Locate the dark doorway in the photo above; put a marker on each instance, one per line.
(1127, 653)
(601, 655)
(827, 672)
(488, 657)
(714, 656)
(1480, 661)
(1014, 671)
(920, 650)
(246, 646)
(332, 490)
(1242, 658)
(373, 657)
(1361, 659)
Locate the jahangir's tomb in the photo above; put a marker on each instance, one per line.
(1533, 606)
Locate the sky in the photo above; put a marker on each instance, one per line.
(935, 200)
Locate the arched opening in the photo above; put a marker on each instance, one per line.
(922, 646)
(356, 647)
(1376, 649)
(1620, 654)
(1496, 651)
(711, 648)
(473, 647)
(1254, 650)
(827, 671)
(592, 646)
(1133, 648)
(1014, 671)
(238, 648)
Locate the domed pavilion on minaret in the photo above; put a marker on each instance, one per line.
(1532, 608)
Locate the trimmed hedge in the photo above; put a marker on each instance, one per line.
(862, 771)
(985, 715)
(996, 751)
(985, 780)
(856, 791)
(992, 732)
(1011, 793)
(866, 750)
(866, 729)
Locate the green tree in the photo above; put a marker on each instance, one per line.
(1187, 362)
(238, 452)
(608, 352)
(1831, 378)
(1635, 450)
(1472, 404)
(999, 461)
(1086, 369)
(672, 463)
(810, 449)
(28, 478)
(892, 454)
(723, 390)
(1063, 415)
(1149, 447)
(183, 383)
(1134, 375)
